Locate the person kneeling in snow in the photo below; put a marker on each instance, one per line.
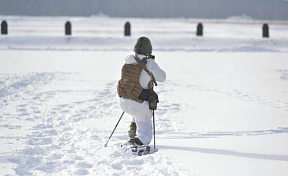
(135, 89)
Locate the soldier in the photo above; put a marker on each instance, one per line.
(135, 89)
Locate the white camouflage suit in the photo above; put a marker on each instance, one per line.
(140, 112)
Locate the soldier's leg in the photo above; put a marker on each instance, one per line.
(144, 131)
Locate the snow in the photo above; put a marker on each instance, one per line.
(242, 17)
(223, 109)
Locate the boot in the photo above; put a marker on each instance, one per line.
(135, 141)
(132, 130)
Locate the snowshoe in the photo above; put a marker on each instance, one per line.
(141, 150)
(136, 148)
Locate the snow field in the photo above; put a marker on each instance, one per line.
(63, 119)
(107, 34)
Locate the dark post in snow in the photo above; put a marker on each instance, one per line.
(127, 30)
(4, 28)
(199, 29)
(68, 28)
(265, 30)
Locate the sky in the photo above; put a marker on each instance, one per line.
(215, 9)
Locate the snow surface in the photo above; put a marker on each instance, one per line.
(223, 109)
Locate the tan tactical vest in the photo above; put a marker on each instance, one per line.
(128, 85)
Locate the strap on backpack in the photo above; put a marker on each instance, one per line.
(141, 64)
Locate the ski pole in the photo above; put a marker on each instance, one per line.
(154, 131)
(114, 129)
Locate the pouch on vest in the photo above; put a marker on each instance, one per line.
(130, 89)
(153, 100)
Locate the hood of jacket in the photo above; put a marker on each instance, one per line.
(131, 60)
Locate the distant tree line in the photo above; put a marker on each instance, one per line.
(257, 9)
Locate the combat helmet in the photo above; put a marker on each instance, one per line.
(143, 46)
